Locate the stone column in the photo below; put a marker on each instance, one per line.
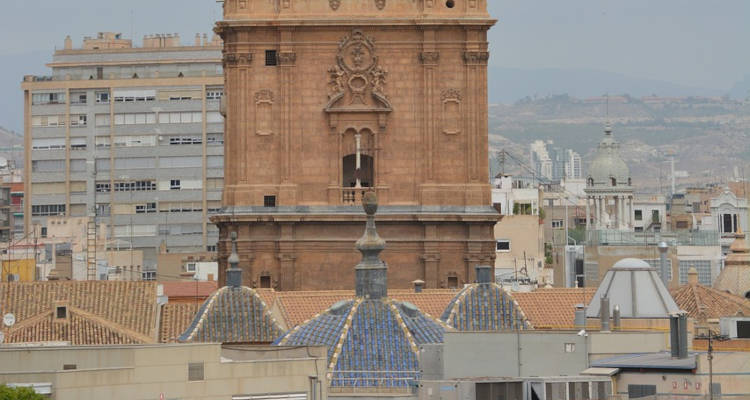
(588, 198)
(630, 213)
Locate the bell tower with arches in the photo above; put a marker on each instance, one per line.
(328, 99)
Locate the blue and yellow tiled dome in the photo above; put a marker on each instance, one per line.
(372, 340)
(233, 314)
(484, 306)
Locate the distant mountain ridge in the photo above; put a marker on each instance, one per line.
(508, 85)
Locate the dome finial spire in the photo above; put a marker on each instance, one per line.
(370, 273)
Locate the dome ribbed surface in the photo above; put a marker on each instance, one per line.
(608, 164)
(484, 307)
(233, 315)
(371, 343)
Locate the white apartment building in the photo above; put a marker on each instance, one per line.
(131, 137)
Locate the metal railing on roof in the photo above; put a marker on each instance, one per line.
(629, 238)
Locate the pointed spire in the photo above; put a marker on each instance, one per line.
(370, 273)
(234, 273)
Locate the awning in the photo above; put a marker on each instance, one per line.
(600, 371)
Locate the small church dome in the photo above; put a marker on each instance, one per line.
(608, 168)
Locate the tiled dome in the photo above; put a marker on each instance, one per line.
(233, 315)
(484, 306)
(608, 164)
(371, 342)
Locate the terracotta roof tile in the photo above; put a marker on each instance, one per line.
(702, 302)
(197, 289)
(298, 306)
(100, 312)
(552, 308)
(175, 319)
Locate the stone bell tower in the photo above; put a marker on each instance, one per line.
(328, 99)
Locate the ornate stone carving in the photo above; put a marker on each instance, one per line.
(264, 95)
(429, 57)
(450, 94)
(287, 58)
(230, 59)
(245, 59)
(334, 4)
(233, 59)
(356, 71)
(476, 57)
(380, 4)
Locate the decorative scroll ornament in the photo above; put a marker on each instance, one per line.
(380, 4)
(450, 94)
(476, 57)
(356, 71)
(334, 4)
(429, 57)
(264, 95)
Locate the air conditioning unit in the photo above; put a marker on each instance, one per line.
(735, 327)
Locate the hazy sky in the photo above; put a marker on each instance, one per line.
(691, 42)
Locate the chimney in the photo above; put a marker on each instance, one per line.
(616, 317)
(370, 274)
(692, 276)
(678, 334)
(234, 273)
(484, 273)
(604, 314)
(197, 40)
(418, 285)
(205, 39)
(662, 246)
(580, 319)
(68, 43)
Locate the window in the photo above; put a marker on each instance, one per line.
(180, 117)
(78, 143)
(62, 312)
(137, 186)
(570, 347)
(215, 162)
(78, 165)
(48, 144)
(177, 140)
(522, 209)
(502, 245)
(195, 371)
(99, 72)
(47, 98)
(135, 141)
(265, 281)
(181, 162)
(147, 208)
(101, 119)
(214, 140)
(131, 96)
(452, 282)
(190, 267)
(148, 275)
(214, 117)
(78, 120)
(102, 164)
(211, 248)
(174, 184)
(639, 215)
(135, 119)
(135, 163)
(655, 216)
(271, 59)
(47, 165)
(78, 98)
(103, 210)
(69, 367)
(269, 201)
(638, 391)
(43, 231)
(214, 93)
(47, 209)
(102, 97)
(46, 121)
(557, 223)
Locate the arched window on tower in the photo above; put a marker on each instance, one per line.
(613, 181)
(630, 183)
(590, 181)
(350, 174)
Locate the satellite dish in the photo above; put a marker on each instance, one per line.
(9, 319)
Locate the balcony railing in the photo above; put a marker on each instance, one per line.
(352, 196)
(628, 238)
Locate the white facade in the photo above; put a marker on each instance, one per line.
(649, 212)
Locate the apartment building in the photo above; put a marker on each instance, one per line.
(131, 137)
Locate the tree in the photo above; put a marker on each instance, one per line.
(19, 393)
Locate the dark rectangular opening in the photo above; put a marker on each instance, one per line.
(743, 329)
(638, 391)
(271, 59)
(62, 312)
(99, 72)
(452, 282)
(68, 367)
(269, 201)
(195, 371)
(265, 282)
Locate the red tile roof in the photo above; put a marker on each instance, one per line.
(552, 308)
(187, 289)
(98, 312)
(175, 319)
(702, 302)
